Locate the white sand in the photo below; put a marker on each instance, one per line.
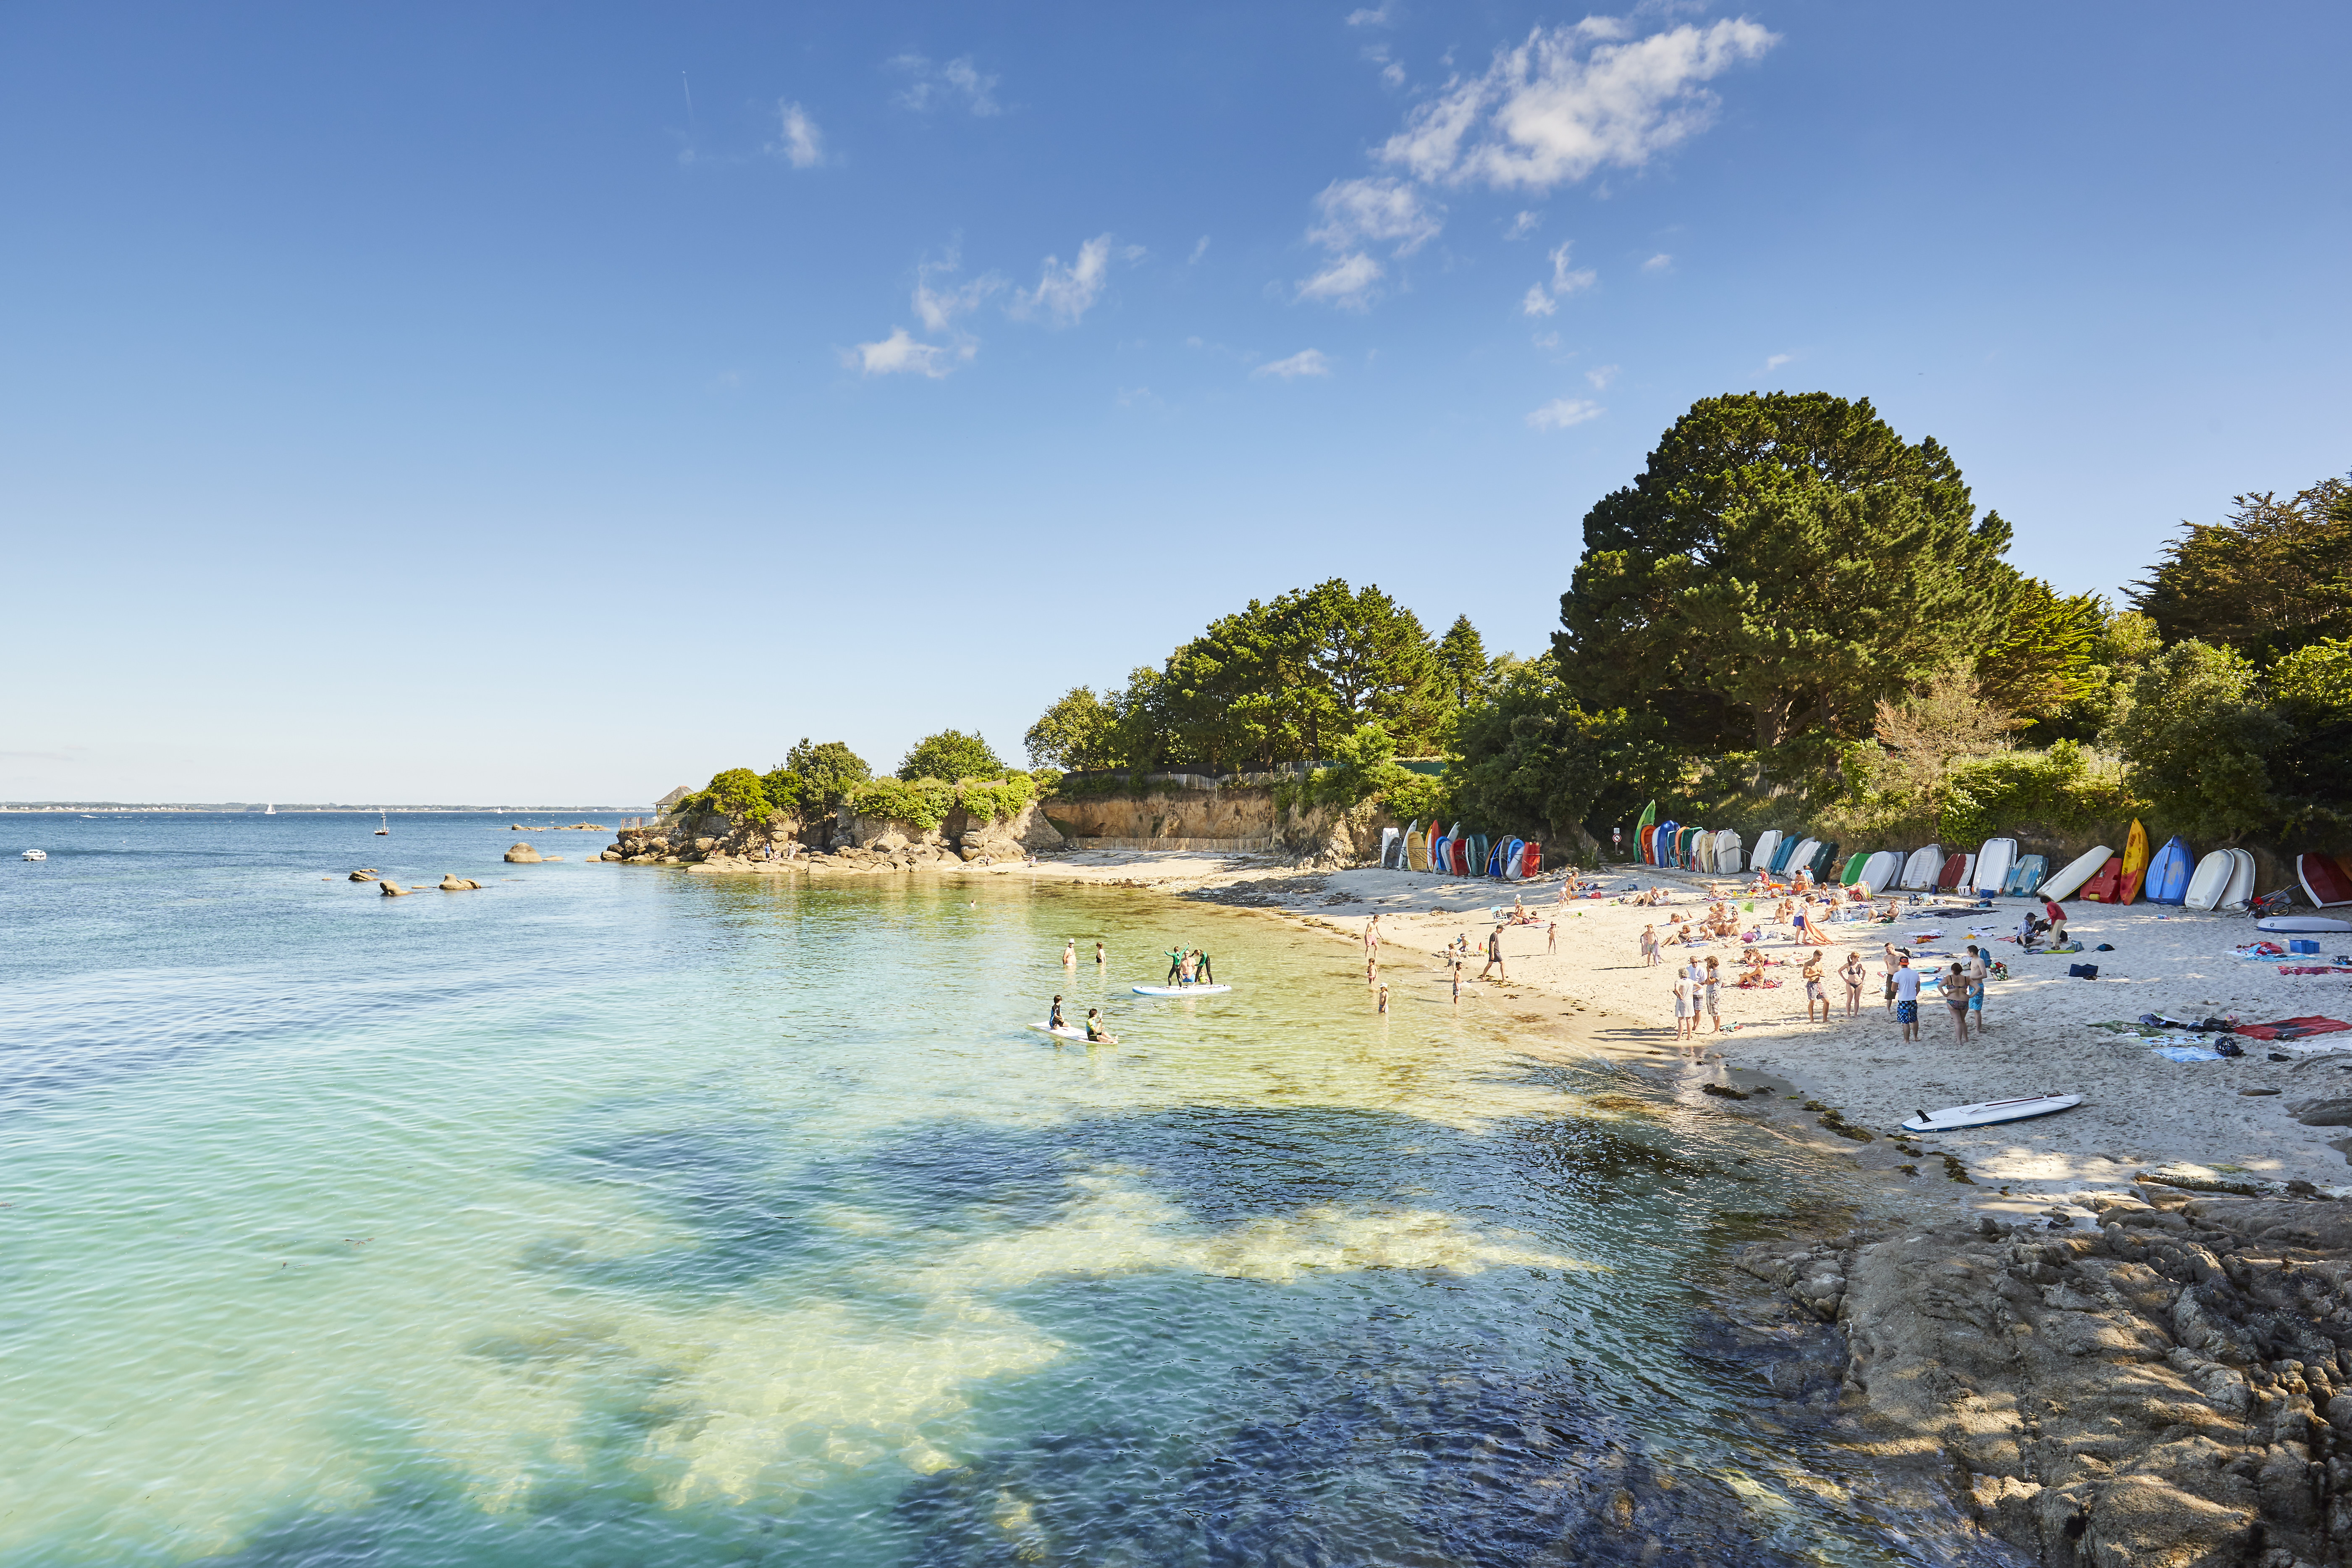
(2139, 1110)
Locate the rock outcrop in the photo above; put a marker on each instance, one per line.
(524, 855)
(2173, 1387)
(841, 842)
(453, 883)
(391, 890)
(365, 874)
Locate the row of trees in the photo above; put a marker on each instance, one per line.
(1793, 611)
(938, 771)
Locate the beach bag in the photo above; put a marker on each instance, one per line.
(2084, 970)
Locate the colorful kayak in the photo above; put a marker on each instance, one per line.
(2135, 857)
(2169, 873)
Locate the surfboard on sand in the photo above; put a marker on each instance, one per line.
(2324, 879)
(2077, 871)
(2168, 873)
(1180, 990)
(2306, 923)
(2134, 863)
(2211, 881)
(1990, 1113)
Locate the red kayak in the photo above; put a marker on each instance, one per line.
(2106, 885)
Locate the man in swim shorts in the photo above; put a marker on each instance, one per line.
(1814, 990)
(1907, 999)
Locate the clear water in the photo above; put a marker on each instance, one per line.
(617, 1215)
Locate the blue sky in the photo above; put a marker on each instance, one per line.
(559, 404)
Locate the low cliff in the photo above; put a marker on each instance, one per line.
(2174, 1386)
(725, 841)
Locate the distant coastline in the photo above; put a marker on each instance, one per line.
(257, 808)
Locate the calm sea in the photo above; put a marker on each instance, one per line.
(613, 1216)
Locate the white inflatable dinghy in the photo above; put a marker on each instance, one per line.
(2302, 923)
(1181, 990)
(1990, 1113)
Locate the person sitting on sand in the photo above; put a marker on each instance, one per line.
(2029, 932)
(1751, 972)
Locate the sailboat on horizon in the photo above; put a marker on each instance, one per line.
(385, 825)
(268, 809)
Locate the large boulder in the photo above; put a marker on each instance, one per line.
(453, 883)
(524, 855)
(365, 874)
(391, 890)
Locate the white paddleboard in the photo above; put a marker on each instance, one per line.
(1071, 1032)
(2302, 923)
(2211, 881)
(1990, 1113)
(1181, 990)
(2079, 871)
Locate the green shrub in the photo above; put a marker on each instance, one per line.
(950, 754)
(923, 802)
(998, 801)
(737, 792)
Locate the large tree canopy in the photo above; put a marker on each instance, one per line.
(1279, 681)
(1784, 563)
(2275, 576)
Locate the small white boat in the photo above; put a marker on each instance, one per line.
(383, 825)
(1181, 990)
(1072, 1032)
(36, 854)
(1990, 1113)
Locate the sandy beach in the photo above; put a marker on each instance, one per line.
(2227, 1118)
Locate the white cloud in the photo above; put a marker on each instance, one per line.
(1306, 362)
(1394, 74)
(1538, 302)
(1523, 225)
(900, 353)
(936, 87)
(1562, 411)
(1776, 362)
(1572, 100)
(1066, 293)
(1547, 341)
(1564, 281)
(939, 304)
(1367, 16)
(1200, 249)
(1658, 263)
(1357, 212)
(802, 145)
(1348, 282)
(1601, 375)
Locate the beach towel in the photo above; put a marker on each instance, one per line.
(2313, 969)
(2189, 1053)
(2293, 1028)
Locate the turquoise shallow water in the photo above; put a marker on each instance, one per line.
(617, 1215)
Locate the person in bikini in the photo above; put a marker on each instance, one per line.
(1852, 973)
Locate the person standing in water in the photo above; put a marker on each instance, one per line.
(1070, 954)
(1385, 1000)
(1098, 956)
(1495, 953)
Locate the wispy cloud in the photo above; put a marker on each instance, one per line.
(1658, 263)
(1348, 282)
(957, 83)
(1601, 375)
(1066, 293)
(1199, 248)
(1565, 280)
(1776, 362)
(1538, 302)
(1550, 111)
(938, 304)
(1571, 99)
(900, 353)
(801, 144)
(1306, 362)
(1355, 215)
(1382, 16)
(1562, 411)
(1375, 211)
